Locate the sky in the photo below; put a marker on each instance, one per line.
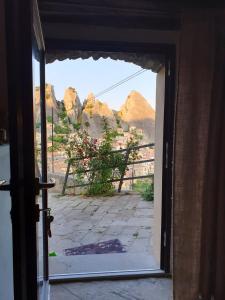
(89, 75)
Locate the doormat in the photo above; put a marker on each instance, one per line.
(111, 246)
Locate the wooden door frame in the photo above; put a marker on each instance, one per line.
(19, 75)
(168, 157)
(169, 53)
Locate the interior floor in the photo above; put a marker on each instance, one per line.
(135, 289)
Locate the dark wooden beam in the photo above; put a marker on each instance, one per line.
(106, 46)
(155, 23)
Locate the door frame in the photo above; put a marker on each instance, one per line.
(168, 159)
(168, 51)
(19, 34)
(19, 62)
(44, 174)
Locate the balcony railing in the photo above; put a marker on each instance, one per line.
(123, 173)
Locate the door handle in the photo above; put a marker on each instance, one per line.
(4, 186)
(43, 185)
(49, 217)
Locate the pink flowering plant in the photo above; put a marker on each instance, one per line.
(95, 162)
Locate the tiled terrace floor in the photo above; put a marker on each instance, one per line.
(139, 289)
(83, 220)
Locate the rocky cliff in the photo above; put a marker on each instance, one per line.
(92, 114)
(72, 105)
(51, 103)
(135, 112)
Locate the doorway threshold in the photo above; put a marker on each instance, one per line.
(62, 264)
(125, 274)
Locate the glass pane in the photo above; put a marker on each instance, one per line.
(6, 255)
(6, 260)
(37, 143)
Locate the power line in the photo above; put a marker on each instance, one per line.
(120, 82)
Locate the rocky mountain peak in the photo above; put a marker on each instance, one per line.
(50, 96)
(72, 104)
(93, 112)
(90, 97)
(137, 112)
(51, 102)
(93, 106)
(136, 107)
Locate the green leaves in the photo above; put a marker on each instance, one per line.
(148, 193)
(145, 188)
(58, 129)
(93, 161)
(49, 119)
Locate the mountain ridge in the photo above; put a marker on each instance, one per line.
(136, 112)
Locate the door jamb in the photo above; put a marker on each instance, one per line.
(22, 187)
(169, 52)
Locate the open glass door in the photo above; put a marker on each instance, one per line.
(40, 149)
(38, 166)
(22, 173)
(6, 253)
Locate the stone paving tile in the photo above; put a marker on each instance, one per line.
(144, 204)
(131, 205)
(143, 233)
(139, 245)
(114, 230)
(136, 289)
(100, 229)
(144, 212)
(139, 221)
(90, 238)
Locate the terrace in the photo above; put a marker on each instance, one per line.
(104, 233)
(124, 222)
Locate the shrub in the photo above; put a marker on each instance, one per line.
(62, 114)
(38, 125)
(49, 119)
(145, 188)
(56, 147)
(76, 126)
(59, 139)
(104, 165)
(148, 193)
(58, 129)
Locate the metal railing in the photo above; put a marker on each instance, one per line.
(125, 164)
